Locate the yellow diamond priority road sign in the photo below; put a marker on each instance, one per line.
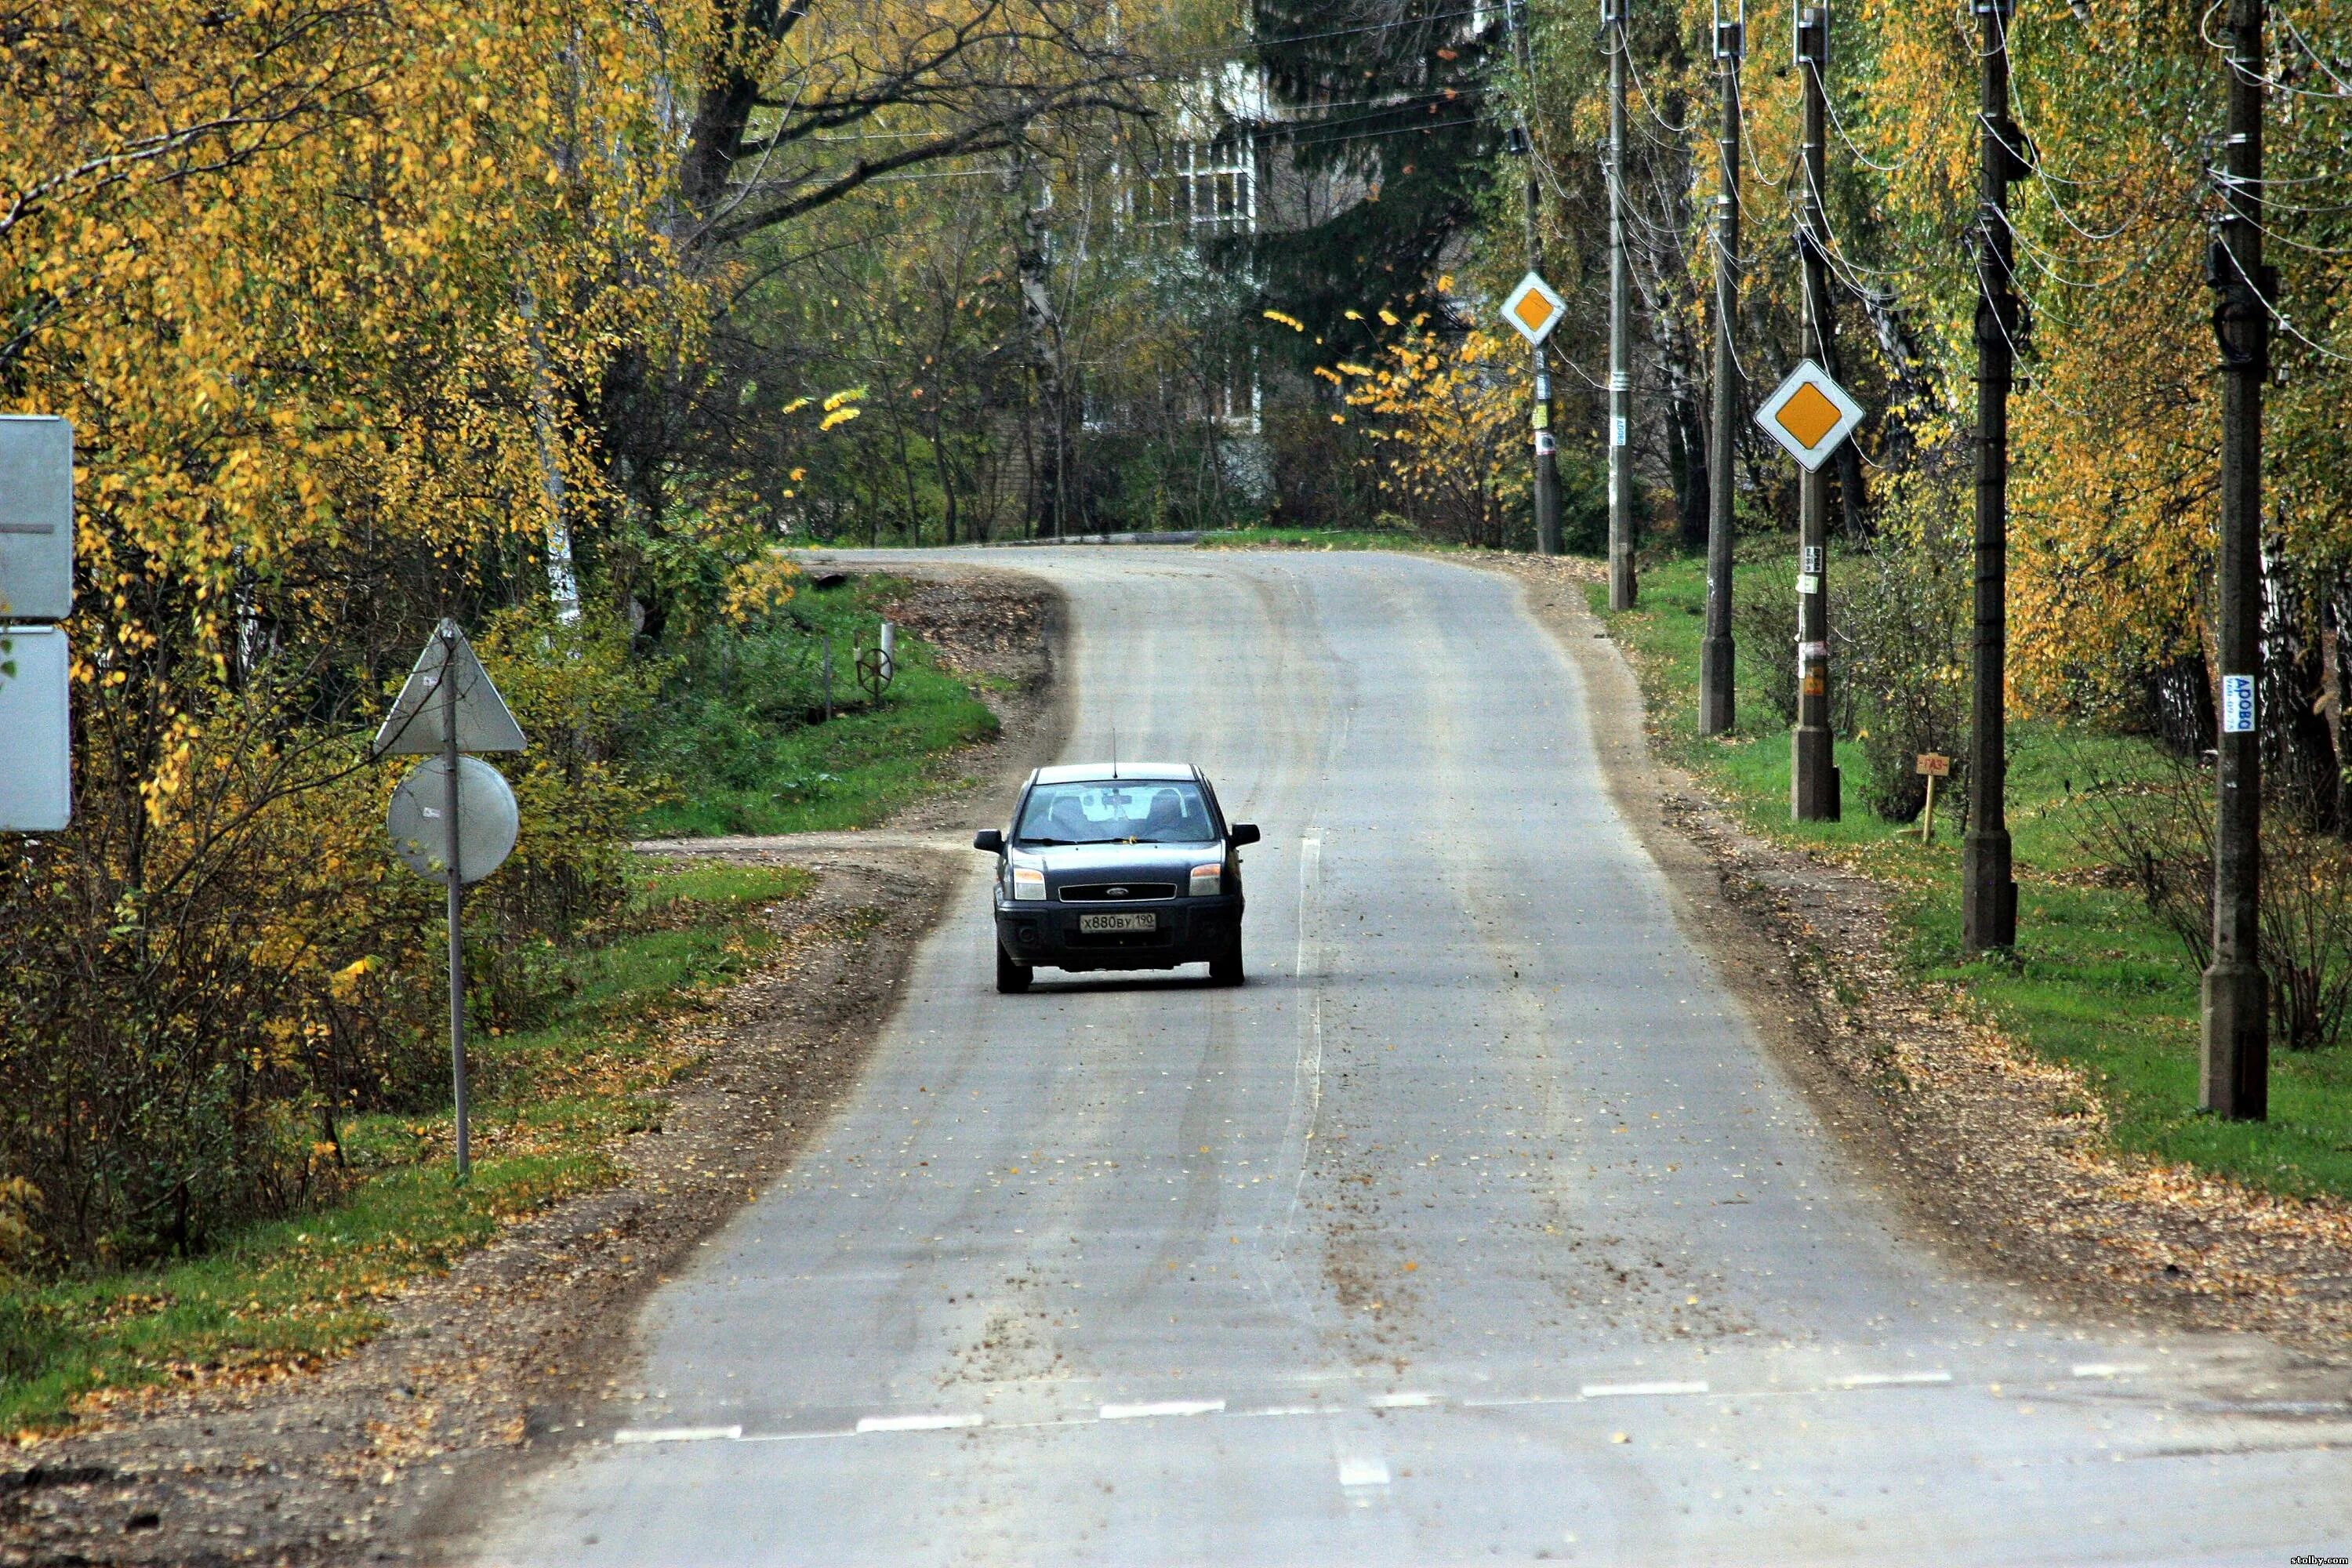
(1534, 309)
(1810, 415)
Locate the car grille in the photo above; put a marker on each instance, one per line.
(1117, 892)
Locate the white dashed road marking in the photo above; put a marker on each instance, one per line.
(914, 1423)
(1353, 1472)
(1363, 1473)
(678, 1434)
(1618, 1390)
(1163, 1407)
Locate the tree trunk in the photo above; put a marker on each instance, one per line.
(1044, 325)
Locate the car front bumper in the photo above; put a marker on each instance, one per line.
(1187, 930)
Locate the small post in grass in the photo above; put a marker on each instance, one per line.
(1933, 765)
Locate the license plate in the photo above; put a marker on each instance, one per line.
(1094, 923)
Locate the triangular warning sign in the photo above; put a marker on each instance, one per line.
(414, 727)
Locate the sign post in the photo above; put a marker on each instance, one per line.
(1810, 415)
(449, 707)
(1933, 765)
(1533, 308)
(448, 636)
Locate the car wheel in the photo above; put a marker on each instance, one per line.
(1012, 977)
(1226, 969)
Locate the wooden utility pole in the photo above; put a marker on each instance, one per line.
(1813, 789)
(1622, 585)
(1988, 893)
(1715, 659)
(1546, 445)
(2234, 1080)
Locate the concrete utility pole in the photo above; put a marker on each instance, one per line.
(1987, 894)
(2235, 1077)
(1622, 585)
(1813, 790)
(1546, 445)
(1716, 653)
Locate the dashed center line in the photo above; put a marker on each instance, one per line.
(914, 1423)
(1163, 1407)
(941, 1421)
(678, 1435)
(1622, 1390)
(1363, 1473)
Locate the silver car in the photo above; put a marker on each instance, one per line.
(1118, 866)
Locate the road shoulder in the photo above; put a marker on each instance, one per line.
(1993, 1156)
(383, 1455)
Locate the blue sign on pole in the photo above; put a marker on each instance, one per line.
(2237, 705)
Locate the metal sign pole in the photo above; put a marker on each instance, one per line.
(456, 900)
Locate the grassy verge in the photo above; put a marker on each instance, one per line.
(1322, 539)
(550, 1103)
(2096, 983)
(745, 742)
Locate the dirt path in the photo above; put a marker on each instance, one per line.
(354, 1463)
(1996, 1155)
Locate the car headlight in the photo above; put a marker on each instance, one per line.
(1207, 880)
(1028, 883)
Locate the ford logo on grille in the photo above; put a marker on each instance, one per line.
(1115, 892)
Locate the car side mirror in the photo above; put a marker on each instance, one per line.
(1242, 833)
(989, 840)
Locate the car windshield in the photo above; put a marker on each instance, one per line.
(1112, 811)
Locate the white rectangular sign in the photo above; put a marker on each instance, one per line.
(36, 736)
(2237, 705)
(37, 527)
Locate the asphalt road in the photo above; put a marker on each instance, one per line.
(1479, 1227)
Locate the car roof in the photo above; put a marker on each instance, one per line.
(1092, 772)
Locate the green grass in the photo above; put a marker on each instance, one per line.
(550, 1103)
(743, 739)
(1322, 539)
(2094, 982)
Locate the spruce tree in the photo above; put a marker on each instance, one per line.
(1380, 98)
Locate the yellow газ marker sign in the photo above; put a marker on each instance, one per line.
(1809, 414)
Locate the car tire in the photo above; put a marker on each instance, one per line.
(1226, 969)
(1013, 978)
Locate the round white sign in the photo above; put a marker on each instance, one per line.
(487, 819)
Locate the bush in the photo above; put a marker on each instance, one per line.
(1764, 623)
(220, 961)
(1319, 478)
(2156, 833)
(1903, 617)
